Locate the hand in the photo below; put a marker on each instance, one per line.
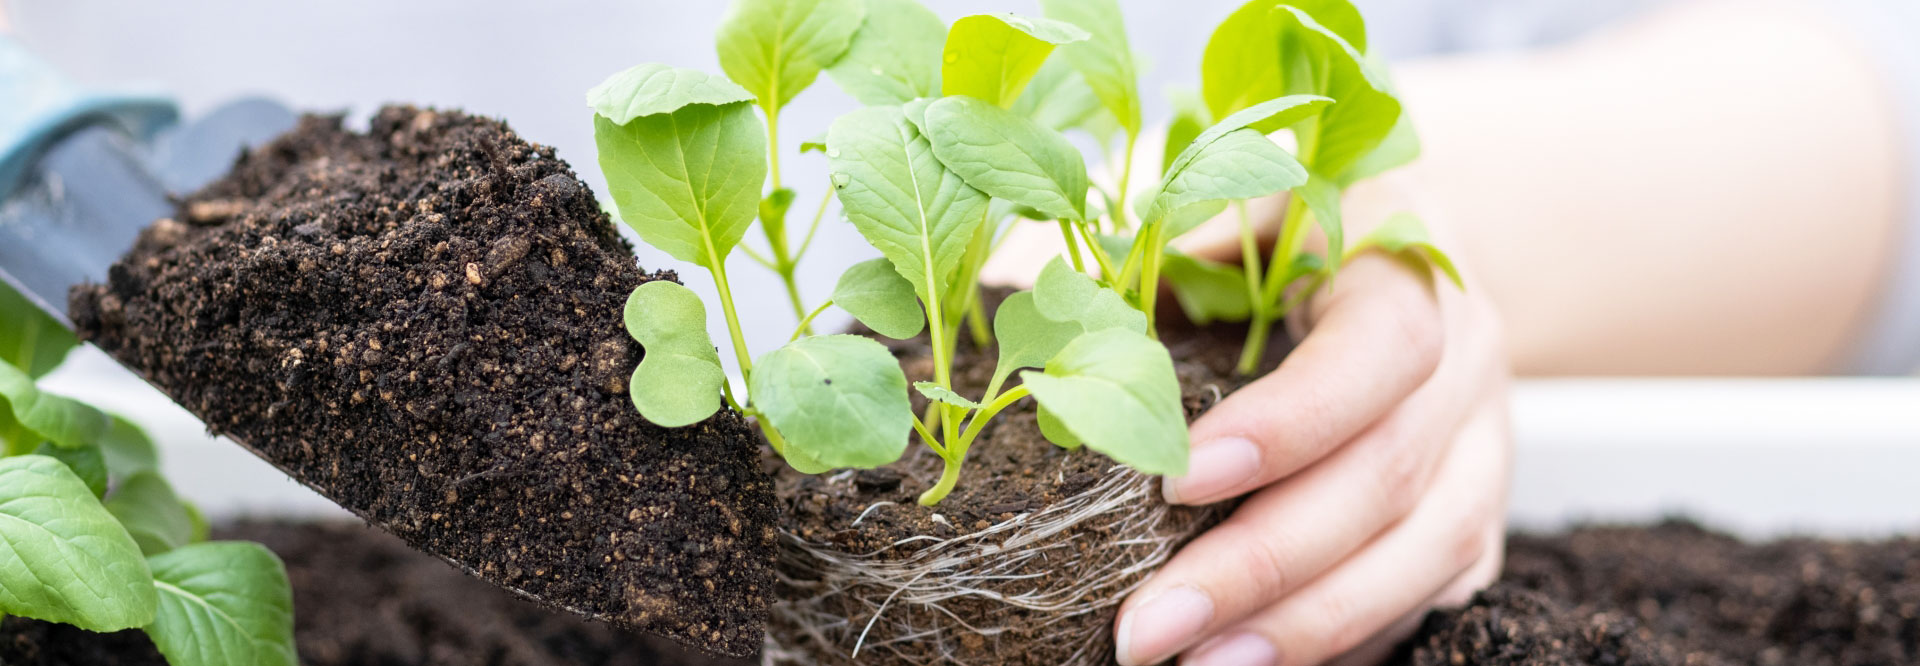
(1375, 464)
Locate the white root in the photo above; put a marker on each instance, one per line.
(1051, 577)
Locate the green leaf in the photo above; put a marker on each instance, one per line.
(1033, 326)
(1009, 157)
(222, 603)
(773, 213)
(1190, 118)
(992, 56)
(897, 194)
(653, 88)
(1248, 60)
(775, 48)
(31, 340)
(1116, 391)
(938, 393)
(1055, 431)
(127, 449)
(840, 400)
(147, 506)
(1058, 98)
(1105, 59)
(1403, 234)
(818, 145)
(64, 421)
(1356, 124)
(1400, 147)
(678, 381)
(874, 293)
(687, 181)
(201, 529)
(1179, 220)
(895, 55)
(1323, 200)
(1208, 291)
(86, 463)
(1283, 111)
(1241, 165)
(66, 560)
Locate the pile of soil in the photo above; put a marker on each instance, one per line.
(363, 598)
(1677, 595)
(1010, 470)
(423, 322)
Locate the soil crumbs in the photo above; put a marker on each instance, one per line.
(423, 322)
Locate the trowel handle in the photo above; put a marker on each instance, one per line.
(42, 106)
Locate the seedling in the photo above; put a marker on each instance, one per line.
(96, 538)
(955, 143)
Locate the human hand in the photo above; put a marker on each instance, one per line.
(1375, 464)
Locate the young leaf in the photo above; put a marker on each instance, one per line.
(1058, 98)
(1245, 62)
(678, 381)
(1207, 291)
(840, 400)
(1116, 391)
(1055, 431)
(897, 194)
(64, 421)
(1403, 234)
(1190, 118)
(67, 560)
(1009, 157)
(992, 56)
(127, 449)
(86, 463)
(895, 55)
(653, 88)
(775, 48)
(687, 181)
(1063, 294)
(220, 603)
(1105, 59)
(773, 212)
(156, 518)
(1241, 165)
(31, 340)
(938, 393)
(1401, 146)
(1356, 124)
(874, 293)
(1280, 111)
(1031, 327)
(1323, 200)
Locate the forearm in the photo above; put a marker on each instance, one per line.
(1711, 190)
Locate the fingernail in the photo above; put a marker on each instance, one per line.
(1236, 650)
(1213, 470)
(1152, 631)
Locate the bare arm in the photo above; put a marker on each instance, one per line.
(1710, 190)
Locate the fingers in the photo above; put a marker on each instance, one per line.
(1293, 531)
(1379, 338)
(1400, 571)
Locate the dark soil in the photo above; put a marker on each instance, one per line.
(362, 598)
(423, 322)
(1675, 594)
(1010, 470)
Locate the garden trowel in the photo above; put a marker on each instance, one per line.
(83, 172)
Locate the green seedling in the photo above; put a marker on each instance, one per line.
(96, 538)
(962, 136)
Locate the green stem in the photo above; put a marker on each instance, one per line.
(799, 308)
(986, 413)
(1119, 214)
(927, 436)
(718, 267)
(977, 318)
(1292, 237)
(1258, 329)
(1255, 346)
(949, 476)
(813, 227)
(803, 329)
(1073, 246)
(1100, 256)
(1150, 273)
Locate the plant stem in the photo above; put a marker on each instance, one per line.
(814, 226)
(718, 267)
(1099, 254)
(986, 414)
(1256, 306)
(1292, 237)
(802, 329)
(1073, 246)
(1150, 272)
(949, 476)
(776, 231)
(977, 318)
(793, 299)
(1119, 213)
